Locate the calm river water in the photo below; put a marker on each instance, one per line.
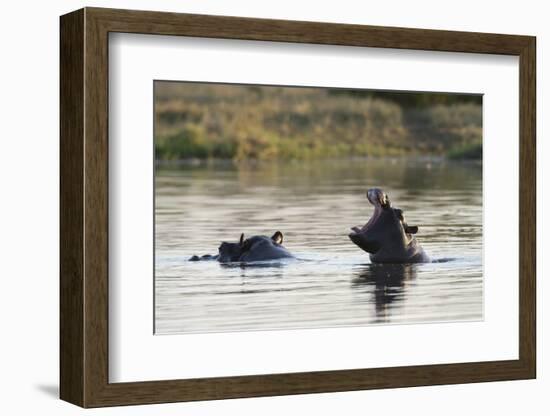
(314, 205)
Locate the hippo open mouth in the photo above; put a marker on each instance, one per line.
(386, 236)
(380, 201)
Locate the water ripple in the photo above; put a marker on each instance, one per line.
(332, 283)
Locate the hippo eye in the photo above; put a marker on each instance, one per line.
(399, 214)
(245, 245)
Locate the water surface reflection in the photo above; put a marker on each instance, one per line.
(314, 204)
(386, 282)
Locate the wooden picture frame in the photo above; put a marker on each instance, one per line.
(84, 207)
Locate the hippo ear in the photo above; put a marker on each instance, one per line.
(241, 240)
(277, 237)
(411, 229)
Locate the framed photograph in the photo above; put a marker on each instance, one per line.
(255, 207)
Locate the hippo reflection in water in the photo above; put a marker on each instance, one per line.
(252, 249)
(388, 284)
(386, 236)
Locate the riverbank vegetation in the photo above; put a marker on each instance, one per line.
(216, 121)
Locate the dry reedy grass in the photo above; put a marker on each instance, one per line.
(266, 123)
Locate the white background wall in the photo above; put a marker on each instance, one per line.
(29, 85)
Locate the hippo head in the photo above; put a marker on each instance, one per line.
(255, 248)
(230, 252)
(386, 235)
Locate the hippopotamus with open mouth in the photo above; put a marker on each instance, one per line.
(252, 249)
(386, 236)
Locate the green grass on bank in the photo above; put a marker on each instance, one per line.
(206, 121)
(472, 151)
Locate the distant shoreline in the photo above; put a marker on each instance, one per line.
(199, 162)
(205, 121)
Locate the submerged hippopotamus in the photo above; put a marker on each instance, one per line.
(256, 248)
(386, 236)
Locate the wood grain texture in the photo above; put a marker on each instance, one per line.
(226, 27)
(528, 208)
(84, 207)
(71, 185)
(96, 208)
